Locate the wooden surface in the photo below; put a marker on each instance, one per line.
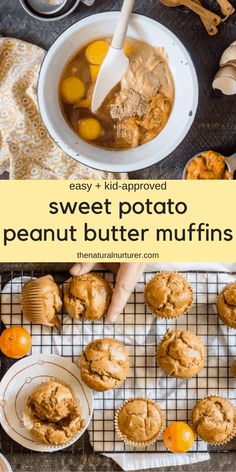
(215, 124)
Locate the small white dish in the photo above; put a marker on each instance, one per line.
(185, 102)
(22, 378)
(68, 8)
(44, 8)
(4, 465)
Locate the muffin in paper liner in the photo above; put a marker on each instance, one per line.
(124, 438)
(41, 301)
(157, 313)
(28, 418)
(226, 307)
(202, 361)
(230, 436)
(74, 304)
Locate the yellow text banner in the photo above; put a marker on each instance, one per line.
(166, 221)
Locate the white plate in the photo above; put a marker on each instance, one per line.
(185, 101)
(4, 465)
(22, 378)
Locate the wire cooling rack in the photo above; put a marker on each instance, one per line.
(141, 333)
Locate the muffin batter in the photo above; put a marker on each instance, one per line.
(134, 112)
(143, 104)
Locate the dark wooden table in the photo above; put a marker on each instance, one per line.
(215, 124)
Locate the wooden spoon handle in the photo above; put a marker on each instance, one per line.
(226, 7)
(122, 26)
(208, 15)
(210, 28)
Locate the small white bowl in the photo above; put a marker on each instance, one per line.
(58, 13)
(22, 378)
(45, 8)
(4, 465)
(185, 102)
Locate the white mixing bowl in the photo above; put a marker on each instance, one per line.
(185, 102)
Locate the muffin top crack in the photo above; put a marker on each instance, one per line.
(181, 354)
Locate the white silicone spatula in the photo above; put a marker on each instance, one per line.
(116, 62)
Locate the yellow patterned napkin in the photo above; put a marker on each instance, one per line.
(26, 149)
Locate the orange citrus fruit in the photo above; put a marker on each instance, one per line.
(15, 342)
(178, 437)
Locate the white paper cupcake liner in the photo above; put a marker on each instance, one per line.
(139, 443)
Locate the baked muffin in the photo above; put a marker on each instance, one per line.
(214, 420)
(51, 401)
(87, 297)
(104, 364)
(208, 165)
(41, 301)
(168, 295)
(226, 305)
(52, 414)
(139, 422)
(181, 354)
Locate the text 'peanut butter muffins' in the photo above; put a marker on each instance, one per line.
(104, 364)
(214, 420)
(168, 295)
(181, 354)
(139, 422)
(226, 305)
(87, 297)
(41, 301)
(52, 414)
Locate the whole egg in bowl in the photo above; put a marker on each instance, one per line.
(143, 119)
